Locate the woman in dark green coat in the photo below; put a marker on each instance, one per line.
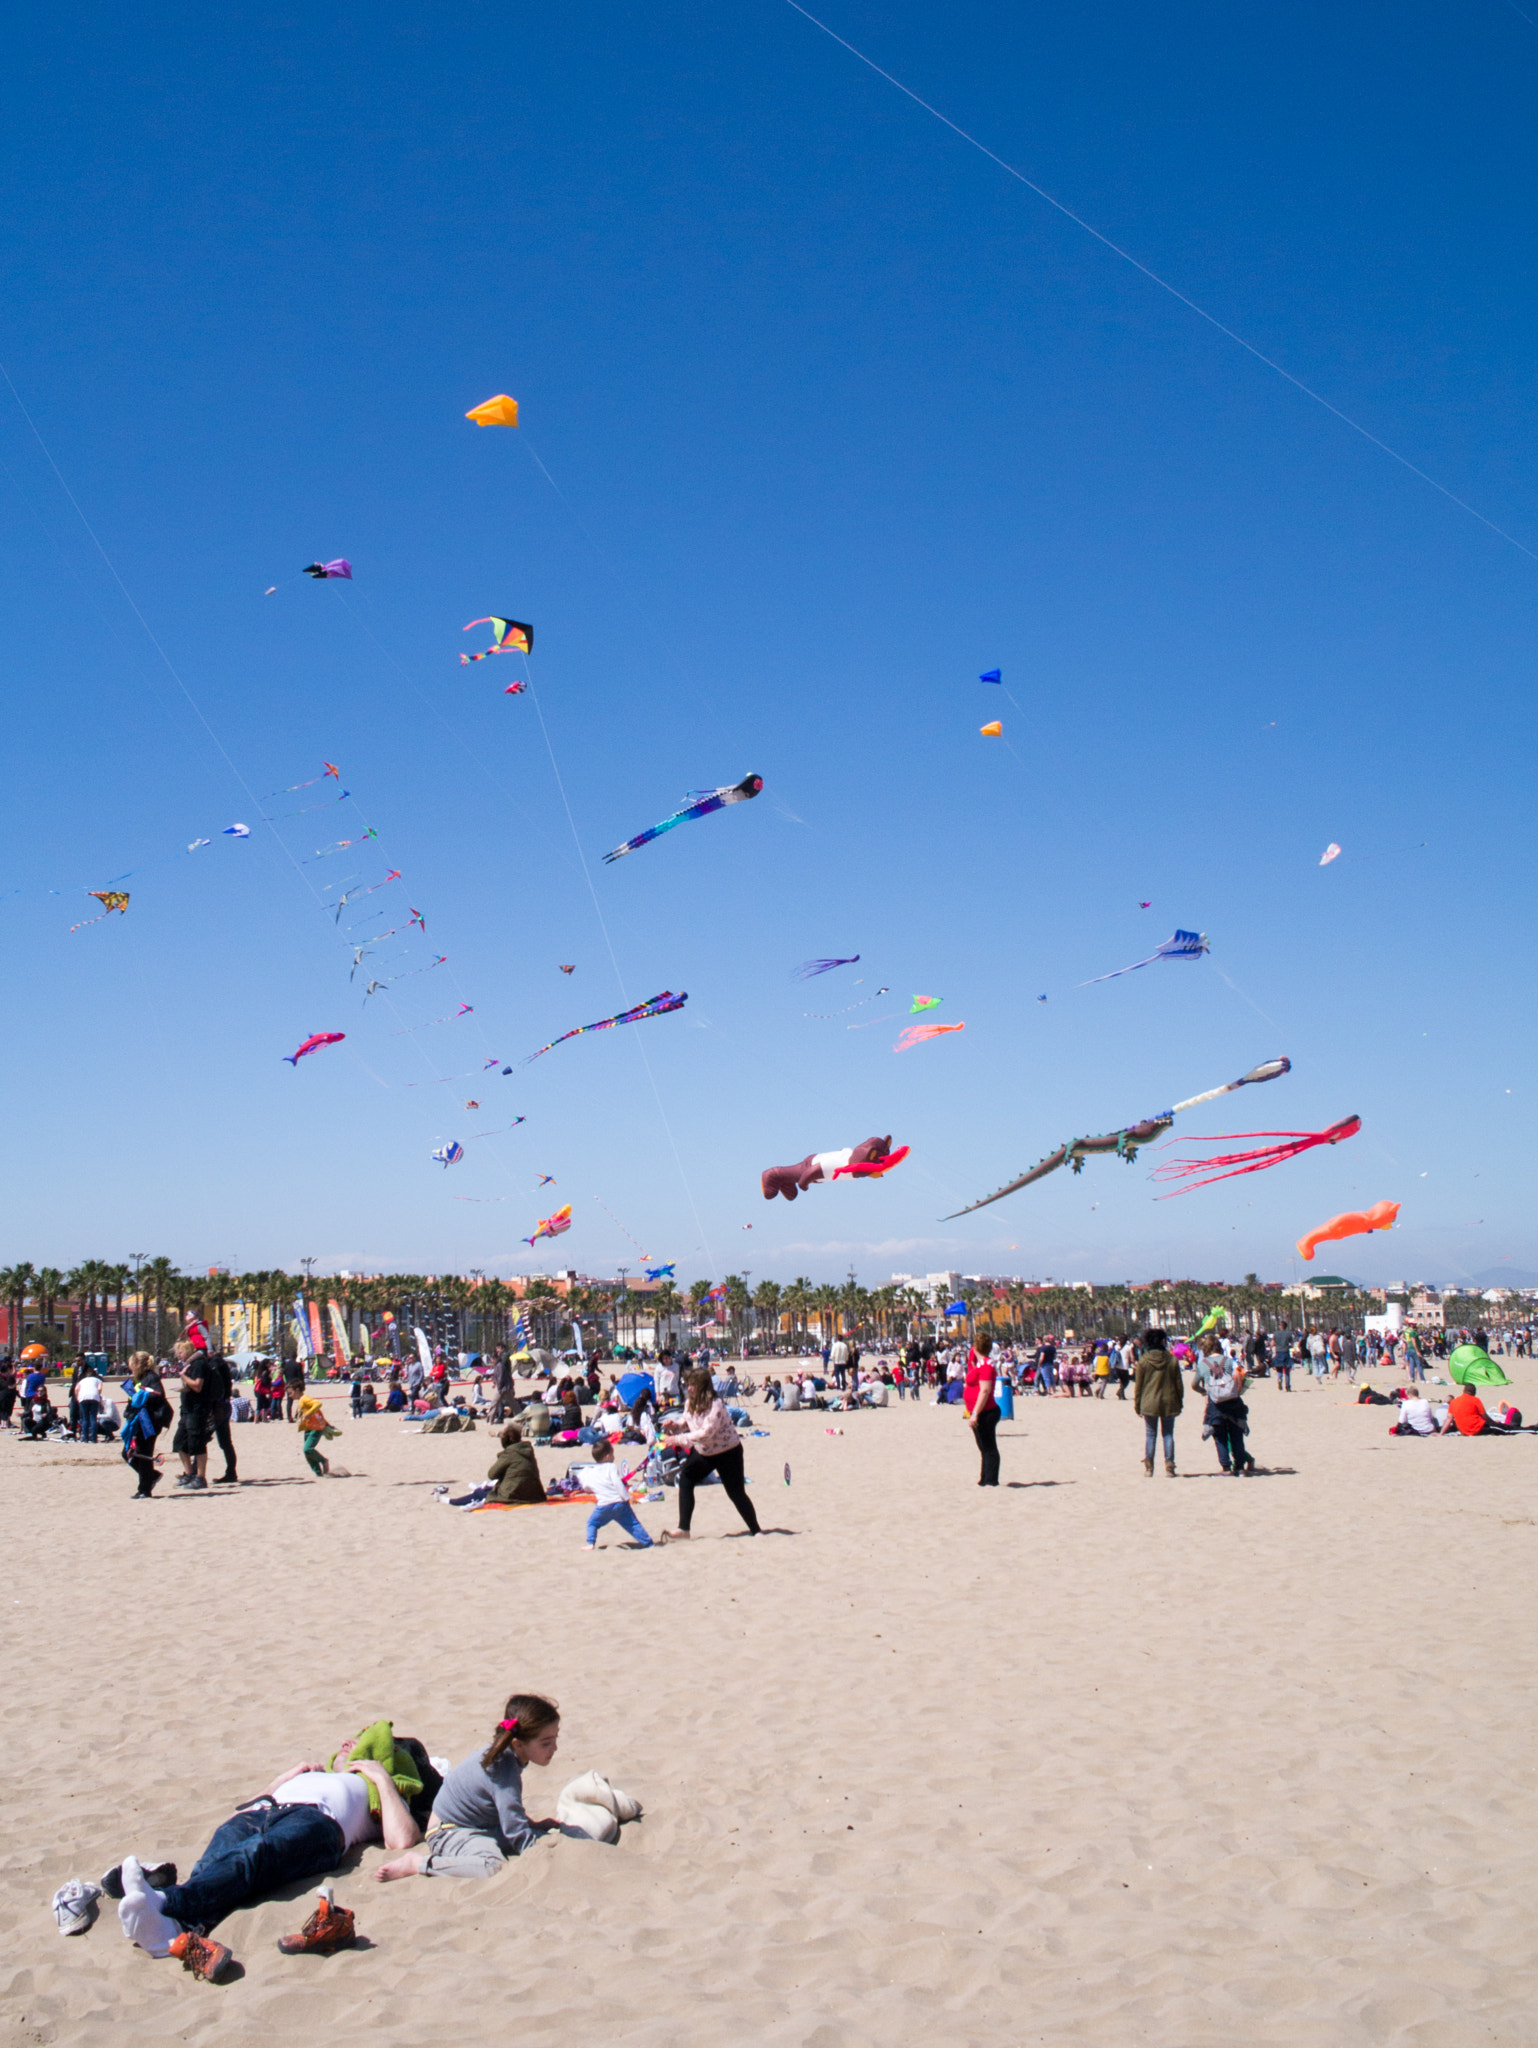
(1158, 1394)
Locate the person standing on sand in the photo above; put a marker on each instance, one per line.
(982, 1410)
(714, 1446)
(1158, 1394)
(195, 1424)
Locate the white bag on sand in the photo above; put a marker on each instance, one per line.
(592, 1806)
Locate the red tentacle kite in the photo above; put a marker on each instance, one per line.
(1249, 1162)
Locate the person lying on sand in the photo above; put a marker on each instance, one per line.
(478, 1818)
(302, 1825)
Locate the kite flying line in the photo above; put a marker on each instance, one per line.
(613, 959)
(1165, 286)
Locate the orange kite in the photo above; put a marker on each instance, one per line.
(1354, 1223)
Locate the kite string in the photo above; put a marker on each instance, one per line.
(614, 962)
(1164, 285)
(170, 666)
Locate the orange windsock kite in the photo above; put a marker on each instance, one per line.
(500, 411)
(1354, 1223)
(994, 731)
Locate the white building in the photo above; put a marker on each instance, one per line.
(936, 1288)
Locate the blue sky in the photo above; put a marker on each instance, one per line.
(837, 416)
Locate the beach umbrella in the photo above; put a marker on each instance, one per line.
(1469, 1366)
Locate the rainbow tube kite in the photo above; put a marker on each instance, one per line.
(655, 1006)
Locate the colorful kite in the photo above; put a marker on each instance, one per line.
(321, 570)
(655, 1006)
(917, 1033)
(328, 768)
(237, 832)
(570, 970)
(713, 800)
(546, 1180)
(660, 1272)
(508, 636)
(1124, 1143)
(1249, 1162)
(1210, 1321)
(110, 900)
(992, 731)
(472, 1104)
(808, 968)
(500, 411)
(1181, 946)
(867, 1161)
(925, 1003)
(1354, 1223)
(450, 1154)
(551, 1226)
(314, 1043)
(822, 1016)
(1331, 852)
(393, 876)
(991, 675)
(1146, 906)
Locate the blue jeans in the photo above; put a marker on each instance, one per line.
(1153, 1424)
(622, 1512)
(253, 1855)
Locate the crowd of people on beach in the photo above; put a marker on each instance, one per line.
(687, 1415)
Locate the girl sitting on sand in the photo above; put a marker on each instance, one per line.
(478, 1817)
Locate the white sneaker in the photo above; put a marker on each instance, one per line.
(74, 1905)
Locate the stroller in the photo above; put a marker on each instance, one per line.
(38, 1417)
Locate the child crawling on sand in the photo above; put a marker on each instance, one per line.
(478, 1817)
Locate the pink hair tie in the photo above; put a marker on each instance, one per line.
(507, 1726)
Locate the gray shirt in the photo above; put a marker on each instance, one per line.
(489, 1801)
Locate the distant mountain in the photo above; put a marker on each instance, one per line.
(1505, 1276)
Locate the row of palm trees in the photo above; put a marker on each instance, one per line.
(476, 1313)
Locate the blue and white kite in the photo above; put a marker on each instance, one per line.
(1182, 946)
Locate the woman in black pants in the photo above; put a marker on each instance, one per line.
(714, 1446)
(982, 1410)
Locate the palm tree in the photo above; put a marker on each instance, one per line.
(48, 1286)
(667, 1302)
(156, 1277)
(766, 1305)
(796, 1301)
(18, 1282)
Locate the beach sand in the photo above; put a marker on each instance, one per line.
(1089, 1759)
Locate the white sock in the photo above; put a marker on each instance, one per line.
(142, 1914)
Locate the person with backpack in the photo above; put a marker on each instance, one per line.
(147, 1413)
(221, 1392)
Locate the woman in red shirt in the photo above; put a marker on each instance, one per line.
(981, 1408)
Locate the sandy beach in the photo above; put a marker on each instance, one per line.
(1091, 1759)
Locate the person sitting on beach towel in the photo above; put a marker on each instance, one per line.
(1467, 1415)
(478, 1818)
(513, 1479)
(301, 1826)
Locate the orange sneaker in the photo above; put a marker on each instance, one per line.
(204, 1958)
(328, 1928)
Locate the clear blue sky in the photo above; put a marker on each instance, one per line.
(839, 416)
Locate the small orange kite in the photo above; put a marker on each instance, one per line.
(500, 411)
(1354, 1223)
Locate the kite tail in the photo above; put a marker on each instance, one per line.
(1257, 1161)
